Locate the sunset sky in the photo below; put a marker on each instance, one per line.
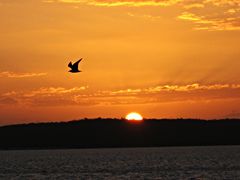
(161, 58)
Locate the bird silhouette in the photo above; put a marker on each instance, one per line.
(74, 67)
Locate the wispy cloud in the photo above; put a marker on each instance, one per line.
(46, 96)
(192, 5)
(212, 15)
(20, 75)
(144, 16)
(232, 115)
(7, 101)
(173, 93)
(112, 3)
(208, 23)
(54, 91)
(82, 96)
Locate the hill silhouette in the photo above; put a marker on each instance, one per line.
(103, 133)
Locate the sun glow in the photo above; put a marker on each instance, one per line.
(133, 116)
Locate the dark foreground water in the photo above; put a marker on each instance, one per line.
(222, 162)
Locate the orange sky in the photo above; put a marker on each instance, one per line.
(162, 58)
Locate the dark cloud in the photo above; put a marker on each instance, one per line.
(7, 101)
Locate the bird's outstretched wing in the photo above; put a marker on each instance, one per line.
(70, 65)
(75, 65)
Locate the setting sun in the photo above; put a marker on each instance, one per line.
(134, 116)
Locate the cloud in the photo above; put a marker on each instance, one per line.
(20, 75)
(46, 96)
(82, 96)
(7, 101)
(172, 93)
(144, 16)
(232, 115)
(112, 3)
(212, 15)
(54, 91)
(173, 88)
(208, 23)
(223, 2)
(193, 5)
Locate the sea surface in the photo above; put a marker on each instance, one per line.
(218, 162)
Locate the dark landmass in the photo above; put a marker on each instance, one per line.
(109, 133)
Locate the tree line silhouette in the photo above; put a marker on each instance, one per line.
(109, 133)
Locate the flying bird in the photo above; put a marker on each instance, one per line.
(74, 67)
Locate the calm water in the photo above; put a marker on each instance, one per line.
(133, 163)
